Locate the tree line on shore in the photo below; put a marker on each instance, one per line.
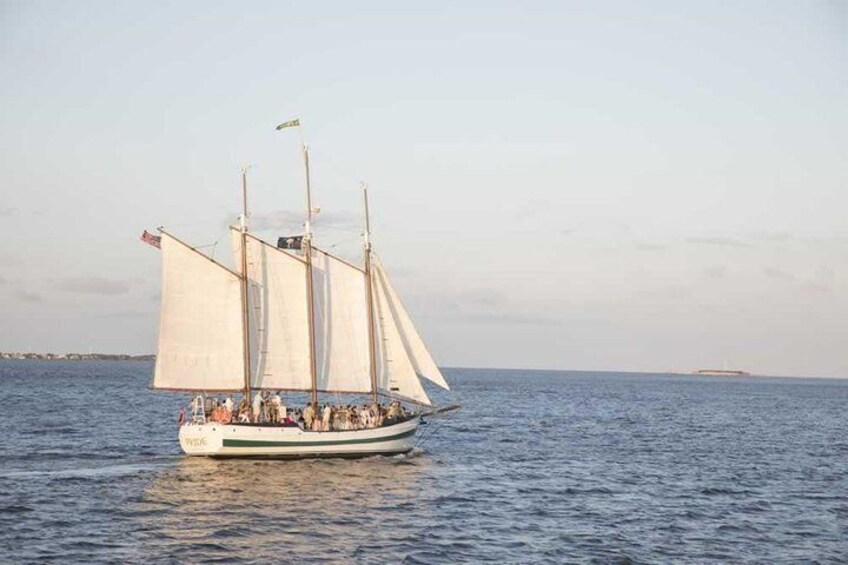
(77, 356)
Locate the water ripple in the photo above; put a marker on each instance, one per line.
(538, 467)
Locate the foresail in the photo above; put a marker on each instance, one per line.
(279, 316)
(200, 326)
(341, 325)
(395, 373)
(419, 356)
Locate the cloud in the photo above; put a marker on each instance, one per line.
(347, 220)
(532, 209)
(667, 292)
(6, 259)
(283, 219)
(812, 288)
(3, 280)
(482, 297)
(484, 305)
(293, 221)
(125, 314)
(825, 272)
(716, 240)
(649, 247)
(778, 274)
(772, 237)
(509, 318)
(94, 285)
(7, 212)
(715, 272)
(28, 296)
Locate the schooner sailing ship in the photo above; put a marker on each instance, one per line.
(296, 318)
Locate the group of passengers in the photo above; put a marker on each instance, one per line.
(270, 408)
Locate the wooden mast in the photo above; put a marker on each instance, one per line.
(307, 248)
(245, 319)
(369, 295)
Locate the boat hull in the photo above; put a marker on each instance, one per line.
(229, 441)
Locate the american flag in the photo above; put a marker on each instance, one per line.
(151, 239)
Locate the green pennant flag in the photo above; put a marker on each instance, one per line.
(289, 124)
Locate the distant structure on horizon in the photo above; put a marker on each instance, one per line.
(721, 372)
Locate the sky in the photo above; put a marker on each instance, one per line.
(653, 186)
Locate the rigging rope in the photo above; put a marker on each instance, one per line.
(213, 245)
(424, 437)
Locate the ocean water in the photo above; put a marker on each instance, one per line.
(538, 467)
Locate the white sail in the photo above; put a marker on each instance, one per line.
(395, 373)
(279, 316)
(341, 325)
(420, 358)
(200, 327)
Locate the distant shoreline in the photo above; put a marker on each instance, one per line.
(75, 357)
(152, 357)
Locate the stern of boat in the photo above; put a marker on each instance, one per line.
(201, 439)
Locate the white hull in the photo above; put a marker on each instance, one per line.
(218, 440)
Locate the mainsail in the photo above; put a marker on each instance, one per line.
(279, 322)
(200, 328)
(201, 346)
(341, 324)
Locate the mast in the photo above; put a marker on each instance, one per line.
(306, 245)
(369, 294)
(310, 291)
(244, 287)
(307, 249)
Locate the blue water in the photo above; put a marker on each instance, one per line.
(537, 467)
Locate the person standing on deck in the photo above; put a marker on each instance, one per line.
(257, 407)
(376, 415)
(266, 406)
(325, 424)
(197, 406)
(282, 413)
(308, 416)
(274, 408)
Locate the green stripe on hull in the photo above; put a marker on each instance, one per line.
(311, 455)
(263, 443)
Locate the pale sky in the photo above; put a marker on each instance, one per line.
(568, 185)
